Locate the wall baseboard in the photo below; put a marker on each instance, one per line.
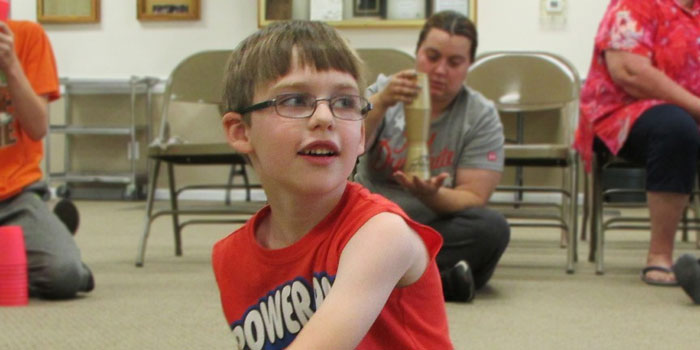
(257, 194)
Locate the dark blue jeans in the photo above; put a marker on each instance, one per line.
(666, 140)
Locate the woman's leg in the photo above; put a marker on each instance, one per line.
(666, 139)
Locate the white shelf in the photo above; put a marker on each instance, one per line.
(90, 130)
(127, 128)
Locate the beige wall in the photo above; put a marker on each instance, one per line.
(120, 46)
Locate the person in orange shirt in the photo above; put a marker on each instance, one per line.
(29, 82)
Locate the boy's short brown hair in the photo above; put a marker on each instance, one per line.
(454, 23)
(267, 55)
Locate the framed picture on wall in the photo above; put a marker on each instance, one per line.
(61, 11)
(167, 10)
(465, 7)
(368, 8)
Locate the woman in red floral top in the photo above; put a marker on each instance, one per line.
(640, 100)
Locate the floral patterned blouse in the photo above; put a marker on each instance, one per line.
(662, 30)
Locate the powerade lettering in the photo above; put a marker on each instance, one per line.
(277, 318)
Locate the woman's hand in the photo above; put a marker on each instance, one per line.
(402, 87)
(419, 187)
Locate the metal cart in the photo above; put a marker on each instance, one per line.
(129, 129)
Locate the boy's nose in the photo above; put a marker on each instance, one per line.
(323, 114)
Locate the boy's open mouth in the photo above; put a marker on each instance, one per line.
(320, 149)
(318, 152)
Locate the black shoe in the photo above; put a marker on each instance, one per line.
(458, 283)
(68, 214)
(687, 271)
(90, 283)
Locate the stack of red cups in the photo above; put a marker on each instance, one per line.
(13, 267)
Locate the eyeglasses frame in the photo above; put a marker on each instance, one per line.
(272, 103)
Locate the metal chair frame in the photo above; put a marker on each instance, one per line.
(598, 205)
(522, 82)
(196, 79)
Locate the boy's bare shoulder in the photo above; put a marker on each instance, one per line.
(388, 227)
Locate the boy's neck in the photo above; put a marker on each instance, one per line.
(293, 216)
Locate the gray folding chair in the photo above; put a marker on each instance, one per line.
(385, 61)
(607, 204)
(198, 81)
(525, 84)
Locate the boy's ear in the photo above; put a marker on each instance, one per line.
(237, 132)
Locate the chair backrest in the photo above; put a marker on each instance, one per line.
(196, 79)
(522, 81)
(525, 81)
(386, 61)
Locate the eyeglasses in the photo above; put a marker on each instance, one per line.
(298, 106)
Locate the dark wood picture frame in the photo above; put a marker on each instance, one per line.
(63, 12)
(471, 8)
(168, 10)
(367, 8)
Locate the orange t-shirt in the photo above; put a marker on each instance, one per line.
(20, 156)
(269, 294)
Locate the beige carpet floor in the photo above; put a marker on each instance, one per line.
(172, 302)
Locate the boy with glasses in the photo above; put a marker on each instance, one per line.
(326, 265)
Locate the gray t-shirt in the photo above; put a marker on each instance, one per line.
(467, 135)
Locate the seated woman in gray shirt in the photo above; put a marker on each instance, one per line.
(466, 155)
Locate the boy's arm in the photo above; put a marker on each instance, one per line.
(637, 75)
(383, 254)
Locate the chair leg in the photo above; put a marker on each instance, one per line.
(229, 184)
(695, 203)
(149, 210)
(246, 182)
(586, 205)
(684, 225)
(597, 232)
(519, 137)
(572, 251)
(565, 208)
(174, 207)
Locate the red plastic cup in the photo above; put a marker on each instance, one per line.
(4, 10)
(13, 267)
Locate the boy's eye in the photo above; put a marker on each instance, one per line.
(295, 100)
(345, 102)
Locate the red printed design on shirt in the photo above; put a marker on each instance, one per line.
(277, 318)
(395, 158)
